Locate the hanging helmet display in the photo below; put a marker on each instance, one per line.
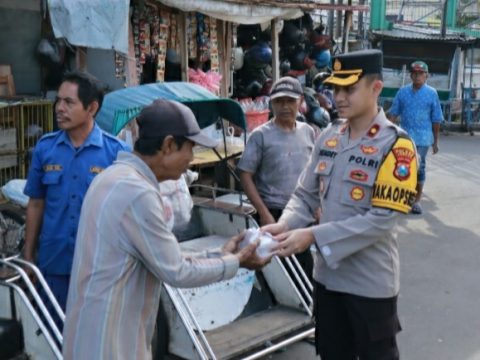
(318, 116)
(259, 55)
(237, 58)
(284, 67)
(172, 56)
(319, 78)
(322, 58)
(253, 89)
(320, 41)
(291, 35)
(297, 60)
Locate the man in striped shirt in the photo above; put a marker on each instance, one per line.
(125, 250)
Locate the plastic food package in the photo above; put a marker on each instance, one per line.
(265, 248)
(13, 191)
(177, 201)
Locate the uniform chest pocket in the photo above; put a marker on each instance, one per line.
(324, 170)
(358, 182)
(52, 181)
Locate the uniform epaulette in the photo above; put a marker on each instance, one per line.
(49, 135)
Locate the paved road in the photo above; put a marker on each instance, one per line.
(439, 303)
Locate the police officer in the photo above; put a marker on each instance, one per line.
(362, 174)
(64, 164)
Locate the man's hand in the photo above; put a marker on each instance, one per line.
(247, 257)
(275, 229)
(294, 242)
(435, 148)
(231, 245)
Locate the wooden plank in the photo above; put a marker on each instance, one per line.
(182, 35)
(254, 331)
(7, 86)
(275, 51)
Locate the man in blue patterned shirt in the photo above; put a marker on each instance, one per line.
(418, 107)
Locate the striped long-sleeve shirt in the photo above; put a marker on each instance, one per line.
(123, 252)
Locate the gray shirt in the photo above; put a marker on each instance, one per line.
(124, 251)
(357, 243)
(276, 158)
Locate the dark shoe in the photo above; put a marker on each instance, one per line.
(416, 209)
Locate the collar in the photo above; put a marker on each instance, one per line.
(130, 159)
(95, 138)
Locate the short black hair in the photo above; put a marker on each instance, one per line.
(150, 146)
(372, 77)
(89, 88)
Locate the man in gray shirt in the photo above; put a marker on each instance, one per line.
(276, 153)
(125, 249)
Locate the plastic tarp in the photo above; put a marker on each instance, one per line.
(101, 24)
(237, 13)
(120, 106)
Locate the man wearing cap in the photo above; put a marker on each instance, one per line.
(362, 175)
(418, 107)
(125, 250)
(275, 155)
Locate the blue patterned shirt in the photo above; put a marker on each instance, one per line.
(418, 110)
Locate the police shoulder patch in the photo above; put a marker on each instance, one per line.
(396, 182)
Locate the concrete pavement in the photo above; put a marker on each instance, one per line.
(439, 302)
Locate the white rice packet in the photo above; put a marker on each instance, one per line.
(266, 245)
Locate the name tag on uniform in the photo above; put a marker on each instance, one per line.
(52, 167)
(96, 169)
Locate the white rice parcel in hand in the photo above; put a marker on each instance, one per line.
(266, 245)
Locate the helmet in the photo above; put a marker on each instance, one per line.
(258, 55)
(237, 58)
(291, 35)
(318, 116)
(172, 56)
(297, 61)
(253, 89)
(322, 59)
(319, 78)
(284, 67)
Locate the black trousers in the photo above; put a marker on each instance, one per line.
(350, 327)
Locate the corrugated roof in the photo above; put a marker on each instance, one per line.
(416, 33)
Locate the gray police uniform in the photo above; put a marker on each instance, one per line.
(357, 250)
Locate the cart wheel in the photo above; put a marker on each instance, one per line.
(12, 229)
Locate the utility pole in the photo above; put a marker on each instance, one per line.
(444, 18)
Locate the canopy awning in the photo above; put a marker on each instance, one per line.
(241, 13)
(120, 106)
